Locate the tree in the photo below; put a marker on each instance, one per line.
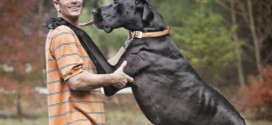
(21, 41)
(254, 20)
(235, 38)
(205, 41)
(21, 45)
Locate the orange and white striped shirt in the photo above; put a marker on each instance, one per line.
(65, 57)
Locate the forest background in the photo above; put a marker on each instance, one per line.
(228, 42)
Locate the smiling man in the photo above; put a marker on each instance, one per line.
(74, 95)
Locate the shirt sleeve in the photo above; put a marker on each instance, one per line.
(66, 54)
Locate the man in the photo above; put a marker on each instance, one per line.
(74, 97)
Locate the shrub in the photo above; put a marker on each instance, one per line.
(259, 95)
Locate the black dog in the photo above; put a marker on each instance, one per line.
(166, 87)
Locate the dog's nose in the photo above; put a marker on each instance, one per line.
(95, 11)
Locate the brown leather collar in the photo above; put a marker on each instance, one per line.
(136, 34)
(139, 34)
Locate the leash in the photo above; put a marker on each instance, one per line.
(91, 22)
(114, 60)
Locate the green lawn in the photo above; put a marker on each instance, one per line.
(122, 117)
(114, 117)
(120, 110)
(38, 121)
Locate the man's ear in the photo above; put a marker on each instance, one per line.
(56, 4)
(147, 13)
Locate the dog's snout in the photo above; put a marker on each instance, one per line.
(95, 11)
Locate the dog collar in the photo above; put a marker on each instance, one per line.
(136, 34)
(140, 34)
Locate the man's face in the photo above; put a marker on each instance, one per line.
(69, 8)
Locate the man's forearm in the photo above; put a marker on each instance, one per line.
(87, 81)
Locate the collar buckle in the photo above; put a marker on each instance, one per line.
(137, 34)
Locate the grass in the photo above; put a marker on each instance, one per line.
(122, 117)
(38, 121)
(120, 110)
(259, 123)
(114, 117)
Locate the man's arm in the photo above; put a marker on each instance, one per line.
(87, 81)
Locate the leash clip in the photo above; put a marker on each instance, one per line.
(137, 34)
(129, 39)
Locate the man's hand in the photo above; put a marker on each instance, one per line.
(120, 78)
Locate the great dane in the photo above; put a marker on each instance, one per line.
(166, 87)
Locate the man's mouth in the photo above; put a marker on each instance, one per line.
(74, 7)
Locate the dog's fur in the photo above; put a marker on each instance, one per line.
(168, 90)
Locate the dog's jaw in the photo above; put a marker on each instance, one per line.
(108, 29)
(99, 25)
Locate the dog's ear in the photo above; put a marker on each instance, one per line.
(147, 13)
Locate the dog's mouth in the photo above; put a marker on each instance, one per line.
(107, 29)
(98, 21)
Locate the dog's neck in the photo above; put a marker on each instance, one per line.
(147, 26)
(156, 24)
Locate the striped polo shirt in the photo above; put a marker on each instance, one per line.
(65, 57)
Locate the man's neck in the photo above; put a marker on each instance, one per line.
(73, 21)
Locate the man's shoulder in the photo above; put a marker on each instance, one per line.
(62, 29)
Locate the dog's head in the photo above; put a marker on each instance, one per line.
(134, 15)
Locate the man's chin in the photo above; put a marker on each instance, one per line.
(75, 14)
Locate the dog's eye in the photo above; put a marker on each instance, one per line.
(115, 1)
(119, 9)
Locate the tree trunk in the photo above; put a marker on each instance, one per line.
(41, 7)
(255, 38)
(238, 50)
(18, 106)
